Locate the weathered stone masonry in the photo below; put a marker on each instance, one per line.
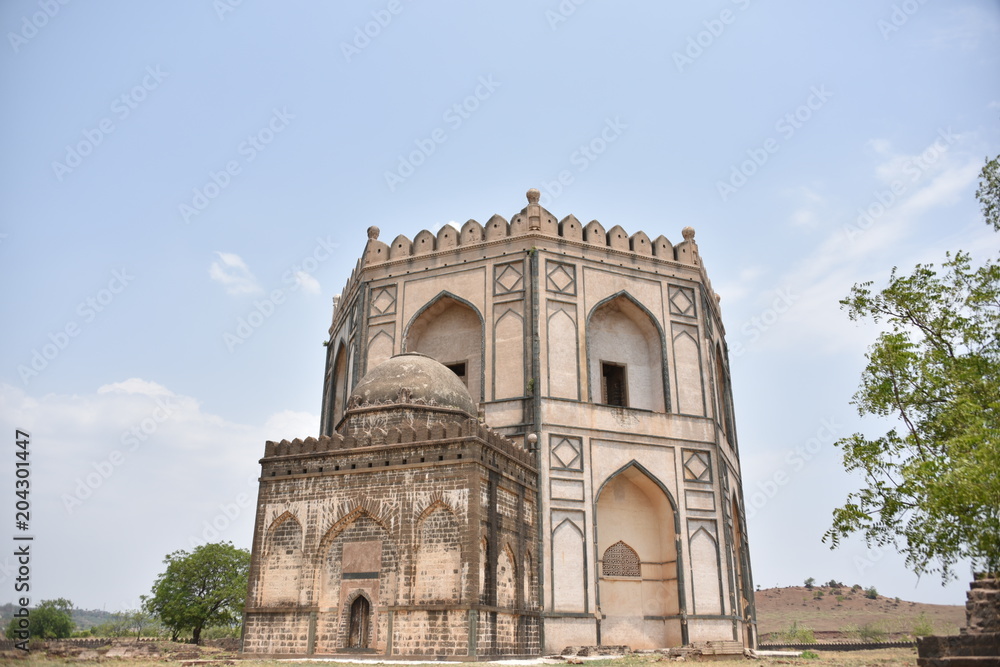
(391, 540)
(602, 353)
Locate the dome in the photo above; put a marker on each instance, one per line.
(425, 380)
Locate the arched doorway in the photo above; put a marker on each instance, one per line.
(357, 632)
(638, 562)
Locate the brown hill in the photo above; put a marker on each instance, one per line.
(847, 613)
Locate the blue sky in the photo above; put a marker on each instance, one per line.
(170, 170)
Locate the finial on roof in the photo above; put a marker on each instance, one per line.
(373, 232)
(688, 233)
(533, 196)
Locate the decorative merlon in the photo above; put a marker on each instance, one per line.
(532, 219)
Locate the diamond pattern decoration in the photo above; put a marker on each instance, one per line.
(383, 301)
(507, 278)
(682, 301)
(697, 466)
(566, 453)
(561, 278)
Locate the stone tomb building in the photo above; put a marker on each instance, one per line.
(572, 479)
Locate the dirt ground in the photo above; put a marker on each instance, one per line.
(211, 659)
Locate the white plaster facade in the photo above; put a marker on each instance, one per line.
(610, 348)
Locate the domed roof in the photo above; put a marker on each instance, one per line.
(424, 379)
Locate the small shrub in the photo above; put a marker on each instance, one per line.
(810, 582)
(856, 588)
(871, 593)
(922, 627)
(840, 599)
(869, 632)
(810, 655)
(797, 634)
(833, 583)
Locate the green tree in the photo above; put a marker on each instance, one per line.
(51, 619)
(202, 588)
(933, 480)
(989, 192)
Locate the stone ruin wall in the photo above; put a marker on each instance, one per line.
(421, 502)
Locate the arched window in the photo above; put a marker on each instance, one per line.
(621, 560)
(625, 351)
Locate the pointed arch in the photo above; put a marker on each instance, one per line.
(506, 578)
(380, 348)
(723, 395)
(626, 355)
(338, 389)
(741, 574)
(704, 549)
(283, 562)
(636, 516)
(438, 558)
(358, 625)
(508, 347)
(451, 330)
(569, 568)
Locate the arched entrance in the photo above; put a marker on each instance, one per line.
(357, 633)
(638, 562)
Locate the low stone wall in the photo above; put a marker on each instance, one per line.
(979, 642)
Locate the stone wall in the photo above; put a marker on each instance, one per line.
(399, 522)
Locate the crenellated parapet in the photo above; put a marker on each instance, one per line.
(400, 434)
(532, 219)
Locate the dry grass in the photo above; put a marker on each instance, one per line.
(778, 608)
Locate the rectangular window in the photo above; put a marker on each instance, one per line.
(613, 384)
(458, 368)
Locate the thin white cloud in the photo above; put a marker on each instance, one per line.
(231, 272)
(135, 386)
(135, 468)
(307, 282)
